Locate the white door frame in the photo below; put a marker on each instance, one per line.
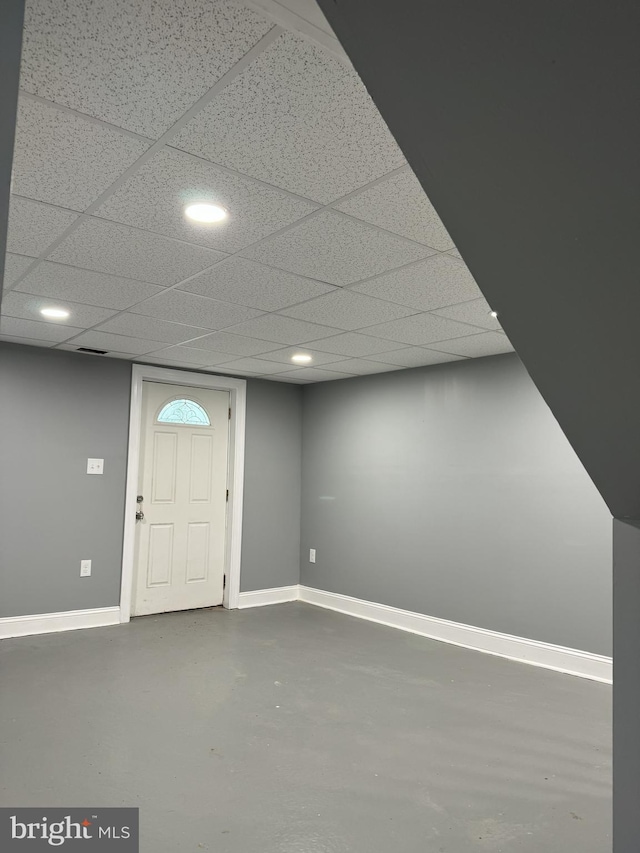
(237, 389)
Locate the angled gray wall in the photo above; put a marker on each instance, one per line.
(59, 408)
(521, 121)
(451, 491)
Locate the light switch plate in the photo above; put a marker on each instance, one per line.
(95, 466)
(312, 555)
(85, 568)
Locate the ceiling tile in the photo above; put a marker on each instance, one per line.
(167, 362)
(432, 283)
(281, 330)
(257, 366)
(35, 330)
(420, 329)
(185, 307)
(155, 197)
(414, 357)
(116, 343)
(233, 344)
(29, 342)
(455, 253)
(65, 159)
(361, 366)
(247, 283)
(353, 344)
(59, 281)
(284, 356)
(118, 250)
(316, 375)
(278, 377)
(346, 310)
(399, 204)
(28, 307)
(14, 267)
(138, 326)
(136, 65)
(476, 346)
(222, 371)
(476, 313)
(193, 355)
(296, 118)
(336, 249)
(34, 226)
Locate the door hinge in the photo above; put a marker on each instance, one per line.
(229, 413)
(224, 581)
(227, 495)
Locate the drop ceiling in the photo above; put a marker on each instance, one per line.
(130, 110)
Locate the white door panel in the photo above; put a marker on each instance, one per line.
(180, 543)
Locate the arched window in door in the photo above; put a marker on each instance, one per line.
(183, 411)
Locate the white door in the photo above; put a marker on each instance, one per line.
(180, 542)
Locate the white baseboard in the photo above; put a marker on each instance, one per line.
(276, 595)
(559, 658)
(48, 623)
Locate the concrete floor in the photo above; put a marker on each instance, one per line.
(291, 729)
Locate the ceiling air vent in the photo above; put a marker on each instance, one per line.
(94, 351)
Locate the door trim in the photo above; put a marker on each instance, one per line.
(237, 389)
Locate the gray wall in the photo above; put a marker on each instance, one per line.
(59, 408)
(452, 491)
(271, 541)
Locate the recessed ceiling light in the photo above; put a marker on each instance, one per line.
(205, 212)
(493, 314)
(301, 358)
(55, 313)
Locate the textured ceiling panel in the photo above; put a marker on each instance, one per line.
(79, 285)
(65, 159)
(193, 355)
(299, 119)
(414, 357)
(14, 267)
(433, 283)
(362, 367)
(234, 344)
(282, 330)
(317, 375)
(257, 366)
(115, 343)
(476, 346)
(33, 226)
(477, 313)
(346, 310)
(399, 204)
(137, 326)
(336, 249)
(138, 65)
(354, 345)
(421, 329)
(199, 310)
(28, 307)
(38, 331)
(155, 197)
(118, 250)
(285, 355)
(243, 281)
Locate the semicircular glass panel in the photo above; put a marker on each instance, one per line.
(183, 411)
